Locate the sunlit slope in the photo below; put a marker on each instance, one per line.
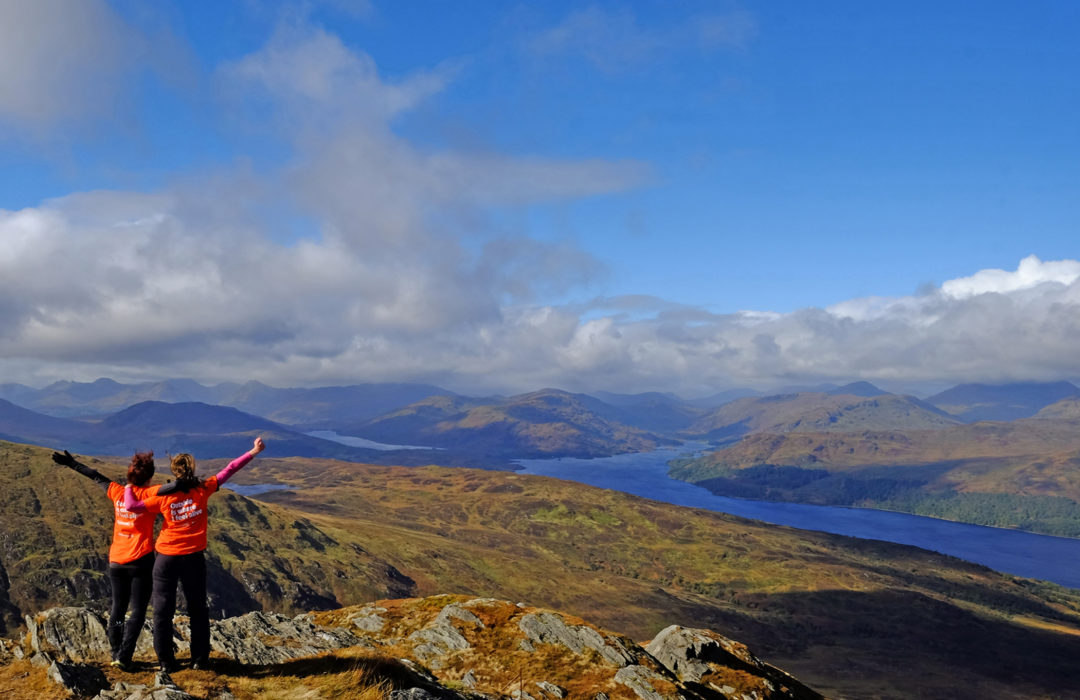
(850, 617)
(1024, 473)
(55, 527)
(542, 423)
(818, 412)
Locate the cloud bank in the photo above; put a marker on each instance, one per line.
(385, 264)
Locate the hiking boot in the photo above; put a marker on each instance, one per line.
(168, 667)
(200, 665)
(125, 666)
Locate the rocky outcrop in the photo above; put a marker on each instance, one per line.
(263, 639)
(481, 647)
(501, 649)
(707, 659)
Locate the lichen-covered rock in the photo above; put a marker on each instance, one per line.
(646, 683)
(368, 618)
(268, 638)
(75, 633)
(435, 641)
(551, 628)
(728, 667)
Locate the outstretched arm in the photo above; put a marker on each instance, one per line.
(239, 463)
(71, 463)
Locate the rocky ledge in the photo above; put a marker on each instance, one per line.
(442, 648)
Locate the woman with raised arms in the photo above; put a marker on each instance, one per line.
(131, 555)
(180, 547)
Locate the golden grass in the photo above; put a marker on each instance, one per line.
(21, 680)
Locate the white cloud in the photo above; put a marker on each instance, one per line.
(398, 274)
(1029, 273)
(400, 277)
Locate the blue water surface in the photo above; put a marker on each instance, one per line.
(1055, 559)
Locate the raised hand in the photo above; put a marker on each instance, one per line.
(259, 446)
(65, 459)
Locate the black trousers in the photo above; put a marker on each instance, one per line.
(189, 570)
(131, 585)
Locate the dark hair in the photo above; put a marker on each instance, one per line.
(183, 468)
(141, 469)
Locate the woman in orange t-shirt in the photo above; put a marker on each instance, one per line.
(131, 555)
(180, 546)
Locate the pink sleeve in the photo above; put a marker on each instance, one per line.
(131, 503)
(233, 467)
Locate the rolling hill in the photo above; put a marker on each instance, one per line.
(817, 412)
(543, 423)
(1023, 474)
(1001, 402)
(851, 618)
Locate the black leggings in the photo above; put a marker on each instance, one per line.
(130, 590)
(189, 570)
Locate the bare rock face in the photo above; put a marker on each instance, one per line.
(259, 638)
(70, 633)
(551, 628)
(709, 660)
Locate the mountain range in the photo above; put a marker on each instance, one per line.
(850, 444)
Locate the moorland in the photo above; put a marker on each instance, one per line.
(851, 618)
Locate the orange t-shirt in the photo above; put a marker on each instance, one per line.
(185, 518)
(133, 533)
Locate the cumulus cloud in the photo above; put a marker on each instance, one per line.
(398, 274)
(1030, 273)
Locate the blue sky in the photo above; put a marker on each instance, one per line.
(619, 196)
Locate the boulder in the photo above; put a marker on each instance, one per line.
(368, 619)
(704, 657)
(71, 633)
(261, 639)
(644, 681)
(551, 628)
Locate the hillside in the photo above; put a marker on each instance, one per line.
(55, 527)
(20, 424)
(1001, 402)
(662, 413)
(540, 424)
(1021, 474)
(850, 618)
(816, 412)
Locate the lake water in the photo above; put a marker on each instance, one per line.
(361, 442)
(1055, 559)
